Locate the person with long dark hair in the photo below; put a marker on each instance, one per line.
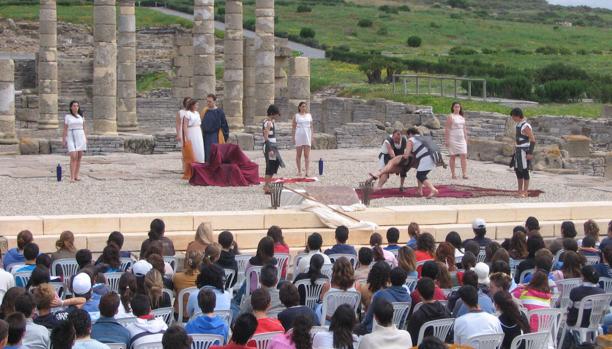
(517, 248)
(340, 334)
(127, 290)
(513, 321)
(111, 262)
(73, 138)
(378, 279)
(298, 338)
(276, 233)
(313, 274)
(456, 137)
(263, 256)
(302, 137)
(156, 233)
(535, 295)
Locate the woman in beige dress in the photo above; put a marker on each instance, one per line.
(456, 139)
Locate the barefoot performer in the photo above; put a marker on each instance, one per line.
(525, 144)
(392, 147)
(271, 153)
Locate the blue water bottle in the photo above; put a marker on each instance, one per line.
(320, 166)
(58, 172)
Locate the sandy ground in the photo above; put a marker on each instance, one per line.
(130, 183)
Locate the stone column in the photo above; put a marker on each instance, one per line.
(127, 117)
(281, 65)
(233, 64)
(8, 137)
(183, 66)
(298, 84)
(105, 67)
(248, 104)
(203, 48)
(47, 66)
(264, 44)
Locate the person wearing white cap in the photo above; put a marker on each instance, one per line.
(81, 287)
(479, 226)
(141, 268)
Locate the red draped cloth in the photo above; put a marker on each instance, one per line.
(228, 167)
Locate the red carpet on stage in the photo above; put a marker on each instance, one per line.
(228, 167)
(446, 191)
(290, 180)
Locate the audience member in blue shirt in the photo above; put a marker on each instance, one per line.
(392, 238)
(413, 232)
(82, 287)
(30, 252)
(342, 234)
(486, 304)
(208, 322)
(608, 240)
(395, 293)
(110, 261)
(603, 268)
(213, 277)
(15, 255)
(107, 329)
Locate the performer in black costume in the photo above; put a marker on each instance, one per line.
(271, 153)
(393, 146)
(525, 145)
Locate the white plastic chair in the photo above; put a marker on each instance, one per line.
(351, 257)
(332, 300)
(557, 257)
(327, 270)
(116, 345)
(262, 340)
(565, 286)
(185, 293)
(400, 313)
(416, 307)
(296, 263)
(606, 284)
(316, 329)
(592, 260)
(524, 274)
(548, 320)
(599, 305)
(149, 343)
(170, 294)
(440, 329)
(535, 340)
(171, 260)
(248, 274)
(112, 279)
(241, 260)
(226, 315)
(411, 282)
(69, 267)
(126, 263)
(126, 321)
(311, 291)
(22, 278)
(205, 341)
(230, 275)
(59, 288)
(486, 341)
(282, 262)
(513, 264)
(167, 314)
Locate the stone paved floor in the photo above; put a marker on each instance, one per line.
(123, 183)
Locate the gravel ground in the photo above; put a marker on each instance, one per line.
(130, 183)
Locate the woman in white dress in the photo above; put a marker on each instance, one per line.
(179, 120)
(74, 139)
(192, 131)
(302, 137)
(456, 139)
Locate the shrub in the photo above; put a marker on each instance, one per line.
(365, 23)
(455, 16)
(382, 31)
(465, 51)
(221, 11)
(404, 8)
(560, 71)
(343, 48)
(582, 52)
(249, 24)
(388, 9)
(562, 91)
(597, 52)
(518, 51)
(434, 25)
(565, 51)
(458, 3)
(414, 41)
(601, 91)
(488, 51)
(303, 9)
(373, 69)
(307, 33)
(547, 50)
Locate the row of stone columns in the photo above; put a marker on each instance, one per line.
(204, 80)
(47, 66)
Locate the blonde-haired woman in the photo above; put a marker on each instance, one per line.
(154, 286)
(187, 278)
(65, 246)
(456, 138)
(302, 137)
(203, 238)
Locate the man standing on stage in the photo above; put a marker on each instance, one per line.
(525, 144)
(214, 125)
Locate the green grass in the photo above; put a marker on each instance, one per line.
(83, 14)
(333, 73)
(153, 81)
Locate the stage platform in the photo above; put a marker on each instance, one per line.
(91, 231)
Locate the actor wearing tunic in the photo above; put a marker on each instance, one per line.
(271, 153)
(393, 146)
(525, 144)
(417, 148)
(193, 134)
(74, 139)
(214, 125)
(180, 116)
(302, 137)
(456, 138)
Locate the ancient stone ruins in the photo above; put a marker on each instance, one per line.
(98, 67)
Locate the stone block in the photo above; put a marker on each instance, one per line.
(139, 222)
(244, 140)
(47, 71)
(47, 27)
(439, 231)
(299, 66)
(13, 225)
(28, 146)
(590, 210)
(324, 141)
(492, 213)
(606, 112)
(484, 149)
(430, 121)
(292, 219)
(105, 33)
(48, 41)
(226, 220)
(380, 216)
(431, 214)
(549, 211)
(44, 146)
(577, 145)
(139, 144)
(608, 166)
(80, 224)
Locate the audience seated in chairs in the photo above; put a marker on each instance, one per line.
(407, 261)
(485, 303)
(378, 279)
(44, 297)
(156, 233)
(260, 302)
(313, 274)
(512, 320)
(212, 276)
(603, 268)
(475, 322)
(176, 338)
(80, 320)
(589, 287)
(365, 257)
(36, 336)
(30, 252)
(393, 235)
(276, 233)
(208, 322)
(534, 244)
(290, 298)
(430, 270)
(340, 334)
(479, 226)
(146, 325)
(15, 254)
(229, 250)
(341, 235)
(381, 254)
(107, 329)
(535, 295)
(430, 309)
(384, 334)
(298, 338)
(127, 290)
(500, 281)
(16, 330)
(242, 331)
(268, 280)
(82, 287)
(313, 247)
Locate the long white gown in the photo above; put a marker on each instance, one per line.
(194, 134)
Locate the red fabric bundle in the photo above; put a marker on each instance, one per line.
(228, 167)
